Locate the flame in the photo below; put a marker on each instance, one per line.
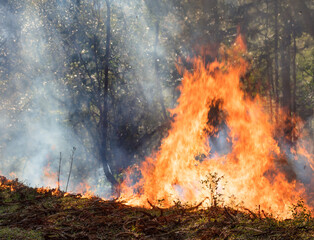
(12, 175)
(8, 184)
(50, 181)
(85, 189)
(53, 191)
(187, 158)
(50, 178)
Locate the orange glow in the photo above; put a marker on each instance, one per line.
(85, 189)
(249, 169)
(50, 178)
(50, 181)
(43, 190)
(12, 175)
(7, 184)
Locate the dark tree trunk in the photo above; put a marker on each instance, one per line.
(271, 86)
(104, 142)
(158, 83)
(294, 73)
(270, 83)
(217, 22)
(285, 68)
(269, 66)
(276, 60)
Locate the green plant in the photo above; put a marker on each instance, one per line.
(211, 182)
(301, 214)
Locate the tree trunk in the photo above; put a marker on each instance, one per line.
(276, 60)
(270, 87)
(158, 84)
(104, 142)
(217, 22)
(294, 73)
(285, 68)
(269, 66)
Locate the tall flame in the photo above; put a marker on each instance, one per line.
(187, 154)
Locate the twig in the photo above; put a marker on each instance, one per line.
(197, 206)
(254, 229)
(233, 218)
(72, 157)
(155, 207)
(145, 213)
(152, 230)
(253, 214)
(259, 212)
(265, 215)
(167, 233)
(125, 234)
(130, 221)
(59, 172)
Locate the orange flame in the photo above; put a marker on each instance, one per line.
(7, 184)
(12, 175)
(50, 181)
(50, 178)
(185, 159)
(85, 189)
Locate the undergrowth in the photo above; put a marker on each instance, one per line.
(27, 214)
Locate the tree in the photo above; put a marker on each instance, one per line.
(285, 61)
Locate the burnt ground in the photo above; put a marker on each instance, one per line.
(27, 214)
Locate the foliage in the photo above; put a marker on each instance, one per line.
(300, 213)
(213, 183)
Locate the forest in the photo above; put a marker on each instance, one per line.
(149, 101)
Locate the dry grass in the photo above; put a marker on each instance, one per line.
(26, 213)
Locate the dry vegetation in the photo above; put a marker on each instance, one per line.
(27, 213)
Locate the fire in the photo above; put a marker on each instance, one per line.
(85, 189)
(187, 155)
(50, 178)
(13, 175)
(50, 181)
(8, 184)
(53, 191)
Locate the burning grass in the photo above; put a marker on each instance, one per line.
(26, 213)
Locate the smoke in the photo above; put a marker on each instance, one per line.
(221, 143)
(299, 157)
(144, 21)
(35, 106)
(143, 33)
(34, 111)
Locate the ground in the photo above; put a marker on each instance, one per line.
(30, 213)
